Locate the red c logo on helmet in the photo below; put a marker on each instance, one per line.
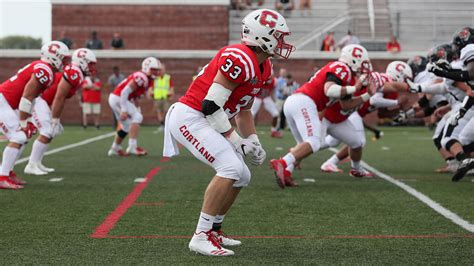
(82, 53)
(357, 52)
(400, 67)
(268, 19)
(53, 48)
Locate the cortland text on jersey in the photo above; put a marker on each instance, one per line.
(239, 64)
(13, 88)
(72, 74)
(197, 144)
(142, 81)
(315, 87)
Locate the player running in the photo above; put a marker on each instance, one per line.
(49, 106)
(121, 100)
(18, 94)
(330, 84)
(223, 90)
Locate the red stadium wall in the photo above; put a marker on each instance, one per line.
(181, 70)
(172, 27)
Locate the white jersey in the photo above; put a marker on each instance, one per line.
(427, 78)
(454, 93)
(467, 55)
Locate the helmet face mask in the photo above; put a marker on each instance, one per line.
(462, 38)
(267, 29)
(444, 51)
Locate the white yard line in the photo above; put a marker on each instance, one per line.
(422, 197)
(70, 146)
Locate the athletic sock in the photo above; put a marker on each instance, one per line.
(334, 159)
(274, 129)
(289, 159)
(132, 143)
(216, 226)
(205, 222)
(9, 158)
(116, 146)
(290, 168)
(39, 148)
(355, 165)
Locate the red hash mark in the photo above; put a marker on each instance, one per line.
(103, 230)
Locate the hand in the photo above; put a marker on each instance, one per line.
(403, 116)
(123, 116)
(361, 81)
(454, 119)
(443, 64)
(28, 128)
(413, 87)
(57, 127)
(247, 147)
(259, 155)
(433, 68)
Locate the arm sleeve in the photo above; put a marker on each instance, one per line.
(124, 97)
(378, 101)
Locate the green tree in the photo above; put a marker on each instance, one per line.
(20, 42)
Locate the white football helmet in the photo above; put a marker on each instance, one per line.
(399, 71)
(151, 63)
(55, 53)
(266, 29)
(85, 59)
(356, 57)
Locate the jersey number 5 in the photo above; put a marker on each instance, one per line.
(234, 74)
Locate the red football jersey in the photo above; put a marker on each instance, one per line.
(239, 64)
(314, 88)
(335, 114)
(13, 88)
(378, 79)
(142, 81)
(267, 89)
(72, 74)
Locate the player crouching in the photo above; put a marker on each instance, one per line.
(224, 89)
(120, 100)
(49, 106)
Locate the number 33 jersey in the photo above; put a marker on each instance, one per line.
(13, 88)
(238, 63)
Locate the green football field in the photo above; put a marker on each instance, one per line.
(100, 210)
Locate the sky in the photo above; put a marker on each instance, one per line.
(26, 17)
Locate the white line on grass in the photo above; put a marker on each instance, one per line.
(56, 179)
(70, 146)
(422, 197)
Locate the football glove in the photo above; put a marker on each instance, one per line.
(413, 87)
(403, 116)
(454, 119)
(57, 127)
(443, 64)
(28, 128)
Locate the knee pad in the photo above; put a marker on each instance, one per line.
(437, 142)
(315, 143)
(19, 137)
(122, 134)
(137, 118)
(244, 177)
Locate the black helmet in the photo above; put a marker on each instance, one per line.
(443, 51)
(462, 38)
(417, 64)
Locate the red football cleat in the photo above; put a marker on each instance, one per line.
(283, 176)
(360, 173)
(138, 151)
(277, 134)
(15, 179)
(6, 183)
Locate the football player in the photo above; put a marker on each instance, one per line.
(333, 82)
(454, 91)
(225, 89)
(459, 131)
(385, 97)
(265, 97)
(18, 94)
(120, 100)
(49, 106)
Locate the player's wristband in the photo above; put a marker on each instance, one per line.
(350, 89)
(254, 137)
(365, 97)
(23, 123)
(234, 138)
(55, 120)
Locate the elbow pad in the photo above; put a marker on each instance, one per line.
(212, 108)
(25, 105)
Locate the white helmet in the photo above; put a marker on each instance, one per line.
(55, 53)
(150, 63)
(266, 29)
(399, 71)
(356, 57)
(85, 59)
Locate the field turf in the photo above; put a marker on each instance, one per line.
(332, 219)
